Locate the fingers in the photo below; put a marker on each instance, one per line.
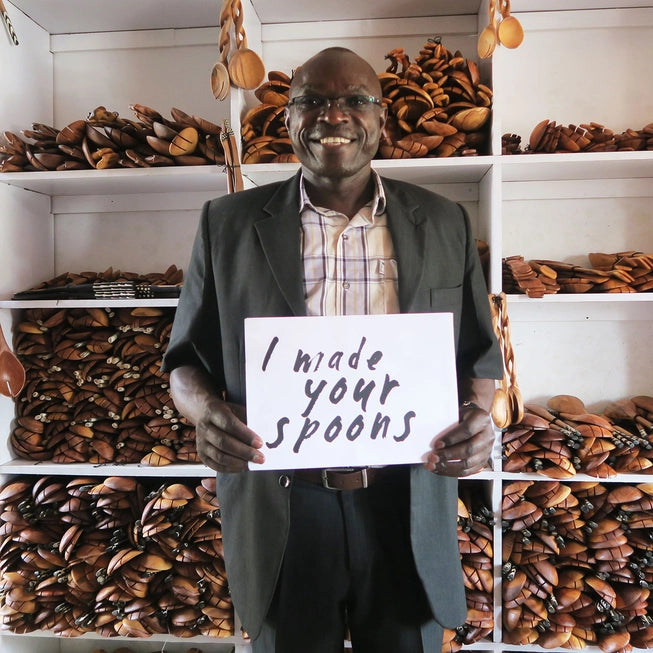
(465, 448)
(224, 442)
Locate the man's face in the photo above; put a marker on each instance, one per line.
(340, 139)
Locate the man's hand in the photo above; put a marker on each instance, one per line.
(224, 442)
(465, 448)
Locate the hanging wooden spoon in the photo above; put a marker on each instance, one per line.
(219, 73)
(12, 372)
(503, 410)
(488, 38)
(246, 69)
(510, 31)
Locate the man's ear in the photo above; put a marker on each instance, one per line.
(383, 117)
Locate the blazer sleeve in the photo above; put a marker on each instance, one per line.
(195, 335)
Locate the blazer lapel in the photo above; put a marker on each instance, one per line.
(279, 236)
(406, 224)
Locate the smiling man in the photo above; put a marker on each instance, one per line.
(313, 554)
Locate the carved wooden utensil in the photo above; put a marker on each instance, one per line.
(511, 33)
(488, 38)
(246, 68)
(219, 73)
(12, 372)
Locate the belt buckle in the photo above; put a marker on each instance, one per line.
(339, 470)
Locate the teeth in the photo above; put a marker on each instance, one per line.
(334, 139)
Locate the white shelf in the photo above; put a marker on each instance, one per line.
(628, 479)
(515, 168)
(577, 166)
(87, 303)
(26, 467)
(120, 181)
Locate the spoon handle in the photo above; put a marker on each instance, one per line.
(3, 343)
(10, 28)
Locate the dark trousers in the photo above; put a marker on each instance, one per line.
(348, 568)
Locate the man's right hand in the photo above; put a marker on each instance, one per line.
(224, 442)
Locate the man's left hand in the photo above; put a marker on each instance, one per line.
(465, 448)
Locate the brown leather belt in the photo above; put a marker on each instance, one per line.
(342, 478)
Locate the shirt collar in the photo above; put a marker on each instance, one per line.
(378, 201)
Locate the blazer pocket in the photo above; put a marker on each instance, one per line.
(446, 300)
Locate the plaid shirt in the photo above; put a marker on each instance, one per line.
(349, 265)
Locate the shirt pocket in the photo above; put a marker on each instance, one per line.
(388, 286)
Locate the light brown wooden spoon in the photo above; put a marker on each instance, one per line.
(220, 84)
(488, 38)
(510, 31)
(246, 69)
(12, 372)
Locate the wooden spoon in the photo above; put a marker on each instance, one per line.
(12, 372)
(566, 404)
(488, 38)
(573, 408)
(501, 410)
(219, 73)
(246, 69)
(510, 31)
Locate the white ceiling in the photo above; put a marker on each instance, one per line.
(66, 16)
(69, 16)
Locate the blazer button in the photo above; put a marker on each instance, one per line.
(284, 480)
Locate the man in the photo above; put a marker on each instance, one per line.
(307, 563)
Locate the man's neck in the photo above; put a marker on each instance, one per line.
(347, 196)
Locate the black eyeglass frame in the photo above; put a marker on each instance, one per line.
(340, 102)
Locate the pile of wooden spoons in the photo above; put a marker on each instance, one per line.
(114, 556)
(475, 542)
(615, 273)
(548, 137)
(94, 390)
(105, 140)
(564, 438)
(577, 565)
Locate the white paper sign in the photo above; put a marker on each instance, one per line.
(349, 390)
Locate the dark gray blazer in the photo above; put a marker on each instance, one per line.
(246, 262)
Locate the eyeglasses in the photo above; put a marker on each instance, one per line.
(345, 103)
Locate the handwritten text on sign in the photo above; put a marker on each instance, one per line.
(349, 390)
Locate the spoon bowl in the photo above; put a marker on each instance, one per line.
(246, 69)
(487, 41)
(501, 410)
(219, 73)
(511, 33)
(220, 81)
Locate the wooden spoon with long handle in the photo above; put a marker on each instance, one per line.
(246, 69)
(12, 372)
(219, 73)
(488, 39)
(510, 31)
